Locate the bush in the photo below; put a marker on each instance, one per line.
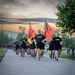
(68, 42)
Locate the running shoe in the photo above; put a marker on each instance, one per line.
(56, 59)
(21, 55)
(50, 56)
(53, 56)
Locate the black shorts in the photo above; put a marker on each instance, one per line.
(40, 45)
(16, 47)
(56, 47)
(60, 47)
(27, 47)
(23, 46)
(51, 48)
(32, 46)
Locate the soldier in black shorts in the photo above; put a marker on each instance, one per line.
(51, 48)
(28, 48)
(60, 48)
(32, 47)
(39, 39)
(16, 47)
(57, 40)
(23, 45)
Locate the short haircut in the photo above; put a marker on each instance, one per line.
(39, 31)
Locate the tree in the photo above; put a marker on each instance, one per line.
(22, 29)
(11, 40)
(68, 42)
(19, 36)
(66, 16)
(4, 38)
(21, 33)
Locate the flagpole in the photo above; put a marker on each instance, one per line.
(45, 21)
(29, 23)
(44, 27)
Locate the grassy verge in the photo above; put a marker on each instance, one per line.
(63, 55)
(67, 57)
(2, 53)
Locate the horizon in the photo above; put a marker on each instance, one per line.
(15, 27)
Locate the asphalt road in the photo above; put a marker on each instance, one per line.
(13, 64)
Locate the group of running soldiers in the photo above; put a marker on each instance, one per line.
(38, 45)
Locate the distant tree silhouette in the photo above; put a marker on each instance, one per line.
(5, 39)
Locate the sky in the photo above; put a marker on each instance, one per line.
(29, 8)
(35, 27)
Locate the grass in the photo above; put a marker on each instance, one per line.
(63, 55)
(2, 52)
(67, 57)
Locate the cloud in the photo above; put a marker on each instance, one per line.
(23, 8)
(5, 2)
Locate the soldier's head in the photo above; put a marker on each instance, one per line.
(39, 31)
(56, 35)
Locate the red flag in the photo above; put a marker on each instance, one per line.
(30, 34)
(48, 31)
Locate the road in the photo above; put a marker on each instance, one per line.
(13, 64)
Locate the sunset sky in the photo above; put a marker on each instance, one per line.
(14, 28)
(27, 9)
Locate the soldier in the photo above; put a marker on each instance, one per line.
(39, 39)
